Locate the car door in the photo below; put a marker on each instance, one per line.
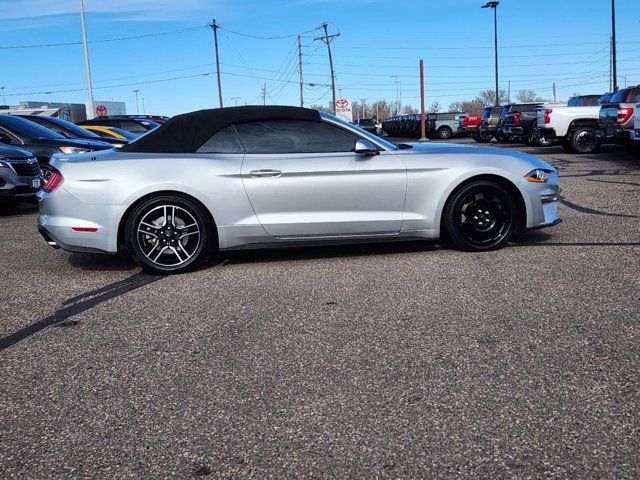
(304, 179)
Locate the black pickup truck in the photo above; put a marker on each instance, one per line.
(518, 121)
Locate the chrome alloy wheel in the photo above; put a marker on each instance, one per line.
(168, 235)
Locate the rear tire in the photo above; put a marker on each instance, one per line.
(169, 234)
(583, 140)
(480, 216)
(482, 138)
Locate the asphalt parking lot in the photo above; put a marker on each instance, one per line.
(399, 361)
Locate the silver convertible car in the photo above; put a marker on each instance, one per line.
(255, 177)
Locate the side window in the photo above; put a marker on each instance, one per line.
(134, 127)
(224, 141)
(294, 136)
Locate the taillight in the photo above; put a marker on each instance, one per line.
(624, 114)
(55, 180)
(547, 117)
(516, 118)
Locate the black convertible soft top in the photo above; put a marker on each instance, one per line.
(188, 132)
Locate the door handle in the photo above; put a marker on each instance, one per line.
(265, 173)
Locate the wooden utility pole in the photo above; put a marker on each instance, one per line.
(300, 71)
(215, 27)
(423, 127)
(327, 39)
(614, 54)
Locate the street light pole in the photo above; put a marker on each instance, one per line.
(137, 107)
(86, 61)
(614, 56)
(494, 6)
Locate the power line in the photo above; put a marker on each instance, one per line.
(274, 37)
(117, 39)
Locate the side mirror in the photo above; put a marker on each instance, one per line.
(365, 147)
(4, 138)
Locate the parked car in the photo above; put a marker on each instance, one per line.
(469, 124)
(71, 130)
(43, 142)
(19, 175)
(519, 121)
(224, 179)
(489, 124)
(444, 125)
(368, 124)
(111, 133)
(136, 126)
(573, 126)
(154, 118)
(616, 116)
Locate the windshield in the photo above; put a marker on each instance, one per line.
(631, 95)
(124, 133)
(63, 124)
(366, 121)
(27, 129)
(362, 132)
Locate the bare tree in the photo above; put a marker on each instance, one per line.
(473, 107)
(434, 107)
(527, 95)
(488, 97)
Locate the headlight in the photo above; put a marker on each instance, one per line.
(537, 176)
(3, 164)
(73, 150)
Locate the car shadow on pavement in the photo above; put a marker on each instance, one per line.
(326, 251)
(79, 304)
(537, 238)
(19, 210)
(120, 262)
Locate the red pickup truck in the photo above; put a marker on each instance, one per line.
(469, 124)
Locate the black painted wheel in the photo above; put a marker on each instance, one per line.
(583, 140)
(480, 216)
(169, 234)
(482, 138)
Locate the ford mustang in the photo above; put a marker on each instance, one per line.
(257, 177)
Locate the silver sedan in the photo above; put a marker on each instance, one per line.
(256, 177)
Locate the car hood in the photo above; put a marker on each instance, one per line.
(14, 152)
(74, 142)
(461, 150)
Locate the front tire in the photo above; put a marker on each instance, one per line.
(445, 133)
(480, 216)
(169, 234)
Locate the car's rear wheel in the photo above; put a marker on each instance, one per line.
(583, 140)
(445, 133)
(480, 216)
(169, 234)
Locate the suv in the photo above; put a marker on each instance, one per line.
(519, 121)
(368, 124)
(137, 126)
(444, 125)
(573, 125)
(616, 116)
(19, 175)
(488, 125)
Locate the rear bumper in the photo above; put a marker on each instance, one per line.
(635, 136)
(511, 130)
(548, 133)
(613, 134)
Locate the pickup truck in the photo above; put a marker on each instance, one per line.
(635, 133)
(469, 124)
(573, 126)
(520, 119)
(616, 116)
(488, 125)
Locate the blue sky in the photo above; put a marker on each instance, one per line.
(542, 41)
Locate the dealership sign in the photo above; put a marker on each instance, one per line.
(101, 110)
(343, 109)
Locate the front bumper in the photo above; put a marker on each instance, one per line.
(541, 200)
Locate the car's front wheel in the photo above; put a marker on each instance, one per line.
(480, 216)
(169, 234)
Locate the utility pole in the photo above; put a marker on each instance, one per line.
(4, 100)
(423, 129)
(494, 6)
(236, 99)
(554, 92)
(86, 62)
(327, 39)
(611, 64)
(137, 107)
(215, 27)
(300, 70)
(398, 84)
(144, 110)
(613, 46)
(509, 92)
(264, 94)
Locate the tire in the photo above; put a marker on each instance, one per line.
(467, 223)
(482, 138)
(169, 234)
(445, 133)
(583, 140)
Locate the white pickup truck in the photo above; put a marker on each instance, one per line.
(574, 125)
